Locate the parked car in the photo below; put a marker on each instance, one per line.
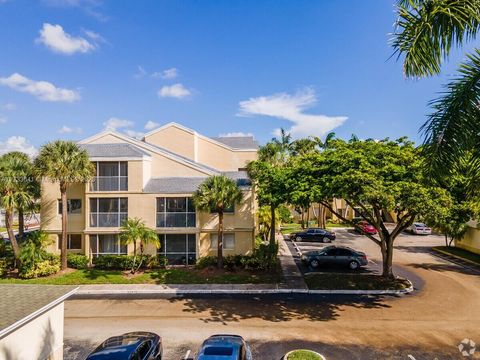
(366, 228)
(225, 347)
(314, 234)
(420, 229)
(130, 346)
(335, 256)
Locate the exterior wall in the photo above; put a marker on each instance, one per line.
(174, 139)
(164, 167)
(41, 338)
(471, 240)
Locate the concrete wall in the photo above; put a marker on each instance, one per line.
(471, 240)
(41, 338)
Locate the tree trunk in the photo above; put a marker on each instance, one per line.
(446, 240)
(308, 216)
(220, 241)
(134, 255)
(11, 235)
(387, 257)
(21, 223)
(272, 225)
(302, 221)
(63, 245)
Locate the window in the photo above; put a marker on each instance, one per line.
(74, 241)
(175, 212)
(228, 241)
(74, 206)
(111, 176)
(179, 249)
(108, 212)
(106, 244)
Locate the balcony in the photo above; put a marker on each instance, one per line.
(176, 219)
(104, 219)
(109, 183)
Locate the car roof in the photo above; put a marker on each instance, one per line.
(221, 347)
(419, 224)
(120, 347)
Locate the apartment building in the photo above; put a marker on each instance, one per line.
(154, 179)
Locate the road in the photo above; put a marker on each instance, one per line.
(427, 324)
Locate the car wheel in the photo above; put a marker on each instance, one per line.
(353, 265)
(326, 240)
(298, 238)
(314, 263)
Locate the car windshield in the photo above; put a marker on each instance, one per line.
(419, 224)
(218, 351)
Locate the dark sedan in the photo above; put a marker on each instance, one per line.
(335, 256)
(225, 347)
(314, 234)
(130, 346)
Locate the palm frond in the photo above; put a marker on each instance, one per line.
(453, 127)
(426, 31)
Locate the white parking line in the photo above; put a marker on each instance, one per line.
(373, 262)
(187, 355)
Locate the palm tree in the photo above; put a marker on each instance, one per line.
(426, 31)
(13, 192)
(218, 193)
(65, 163)
(134, 230)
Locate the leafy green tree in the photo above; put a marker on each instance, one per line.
(426, 31)
(378, 177)
(15, 191)
(216, 194)
(65, 163)
(133, 231)
(33, 249)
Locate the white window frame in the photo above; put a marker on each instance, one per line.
(164, 213)
(69, 241)
(59, 204)
(163, 247)
(214, 241)
(97, 165)
(97, 212)
(119, 252)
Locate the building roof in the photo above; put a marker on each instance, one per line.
(115, 150)
(238, 142)
(21, 303)
(187, 185)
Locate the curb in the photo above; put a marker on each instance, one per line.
(455, 256)
(113, 292)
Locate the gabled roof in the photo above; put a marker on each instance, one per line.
(227, 144)
(153, 148)
(114, 150)
(238, 142)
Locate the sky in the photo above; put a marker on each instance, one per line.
(72, 68)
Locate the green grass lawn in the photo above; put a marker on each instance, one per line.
(303, 355)
(461, 253)
(326, 281)
(336, 225)
(161, 276)
(288, 228)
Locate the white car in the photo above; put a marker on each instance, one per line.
(420, 229)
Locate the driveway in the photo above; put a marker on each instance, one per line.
(426, 325)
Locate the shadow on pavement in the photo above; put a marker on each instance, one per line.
(445, 267)
(277, 308)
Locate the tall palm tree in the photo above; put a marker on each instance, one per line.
(134, 230)
(13, 192)
(426, 31)
(218, 193)
(65, 163)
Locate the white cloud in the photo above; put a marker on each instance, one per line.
(3, 120)
(17, 143)
(43, 90)
(150, 125)
(141, 72)
(167, 74)
(68, 130)
(115, 123)
(57, 40)
(9, 106)
(235, 134)
(134, 134)
(291, 108)
(177, 91)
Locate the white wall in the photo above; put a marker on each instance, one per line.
(41, 338)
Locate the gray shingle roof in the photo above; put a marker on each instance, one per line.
(238, 142)
(187, 185)
(114, 150)
(21, 301)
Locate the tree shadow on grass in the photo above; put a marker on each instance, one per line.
(93, 274)
(276, 308)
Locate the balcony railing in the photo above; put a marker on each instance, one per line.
(103, 219)
(170, 219)
(109, 183)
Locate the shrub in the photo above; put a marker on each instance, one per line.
(232, 262)
(206, 261)
(41, 268)
(77, 261)
(123, 262)
(3, 267)
(162, 261)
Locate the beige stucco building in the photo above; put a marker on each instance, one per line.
(471, 240)
(154, 179)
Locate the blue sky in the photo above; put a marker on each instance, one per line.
(70, 68)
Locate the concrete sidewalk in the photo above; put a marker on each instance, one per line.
(292, 275)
